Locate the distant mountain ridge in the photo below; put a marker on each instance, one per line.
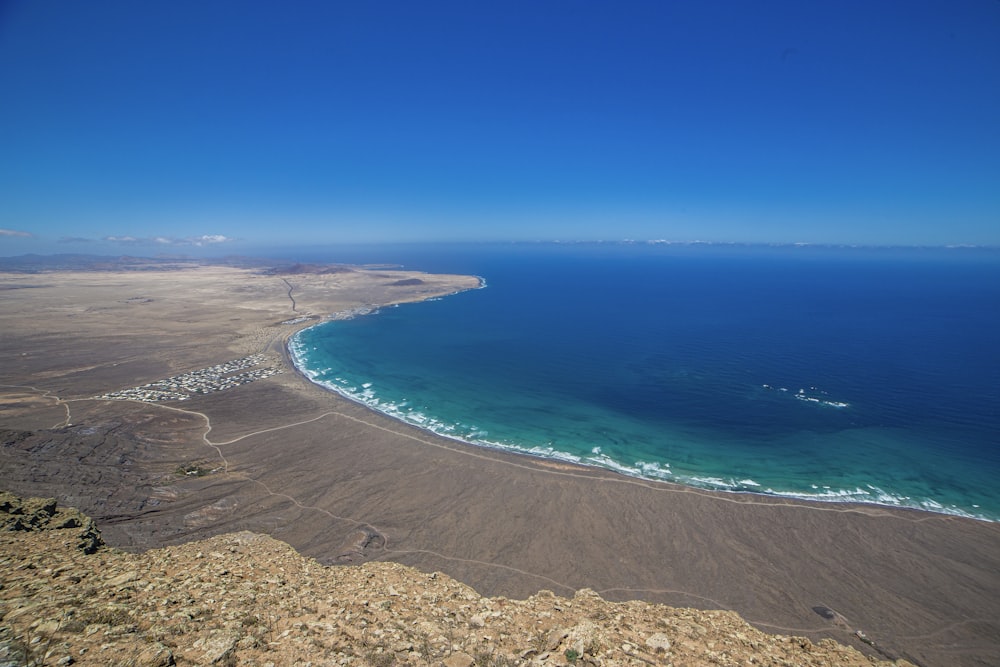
(82, 262)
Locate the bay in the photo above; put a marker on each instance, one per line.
(836, 374)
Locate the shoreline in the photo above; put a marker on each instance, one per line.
(838, 497)
(342, 483)
(750, 511)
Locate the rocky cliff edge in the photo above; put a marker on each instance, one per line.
(247, 599)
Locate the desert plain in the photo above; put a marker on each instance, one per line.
(281, 456)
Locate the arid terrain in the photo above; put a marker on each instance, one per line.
(247, 599)
(274, 454)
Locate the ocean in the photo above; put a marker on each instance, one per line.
(834, 374)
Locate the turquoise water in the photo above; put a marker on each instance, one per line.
(839, 376)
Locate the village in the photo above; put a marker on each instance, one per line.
(203, 381)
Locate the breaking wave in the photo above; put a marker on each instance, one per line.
(365, 394)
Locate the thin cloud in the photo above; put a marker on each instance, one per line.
(16, 232)
(74, 239)
(124, 240)
(202, 240)
(209, 239)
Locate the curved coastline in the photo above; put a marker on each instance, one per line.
(310, 469)
(651, 472)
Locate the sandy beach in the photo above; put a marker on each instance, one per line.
(280, 455)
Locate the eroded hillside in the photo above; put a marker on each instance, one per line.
(248, 599)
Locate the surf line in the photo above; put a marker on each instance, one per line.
(387, 552)
(610, 477)
(468, 450)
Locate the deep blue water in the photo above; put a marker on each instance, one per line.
(861, 375)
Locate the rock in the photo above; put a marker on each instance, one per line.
(555, 639)
(219, 648)
(68, 522)
(47, 628)
(459, 660)
(587, 594)
(9, 503)
(122, 579)
(583, 637)
(155, 655)
(17, 523)
(40, 509)
(658, 642)
(477, 621)
(27, 611)
(90, 538)
(33, 514)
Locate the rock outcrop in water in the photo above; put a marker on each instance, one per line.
(248, 599)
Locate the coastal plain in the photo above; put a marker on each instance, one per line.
(281, 456)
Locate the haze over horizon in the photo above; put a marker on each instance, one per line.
(226, 127)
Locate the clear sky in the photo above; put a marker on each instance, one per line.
(159, 125)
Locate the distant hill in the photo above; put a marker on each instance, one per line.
(82, 262)
(313, 269)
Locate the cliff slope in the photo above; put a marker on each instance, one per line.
(248, 599)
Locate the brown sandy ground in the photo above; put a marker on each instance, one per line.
(343, 485)
(247, 599)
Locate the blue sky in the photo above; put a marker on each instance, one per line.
(194, 125)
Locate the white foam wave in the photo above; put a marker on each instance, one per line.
(812, 395)
(652, 470)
